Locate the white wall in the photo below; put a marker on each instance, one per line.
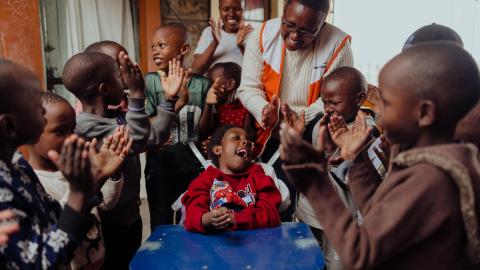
(380, 27)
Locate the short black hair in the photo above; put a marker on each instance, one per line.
(351, 74)
(179, 28)
(217, 140)
(444, 73)
(432, 33)
(317, 5)
(50, 97)
(14, 78)
(231, 71)
(84, 72)
(100, 45)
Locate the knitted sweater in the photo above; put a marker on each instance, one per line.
(295, 78)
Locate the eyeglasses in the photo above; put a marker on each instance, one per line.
(306, 35)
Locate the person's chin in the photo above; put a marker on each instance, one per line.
(293, 46)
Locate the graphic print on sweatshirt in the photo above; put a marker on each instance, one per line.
(222, 195)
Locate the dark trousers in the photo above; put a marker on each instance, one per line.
(121, 243)
(162, 191)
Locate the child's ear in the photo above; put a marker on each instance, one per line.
(230, 84)
(361, 97)
(217, 150)
(7, 126)
(427, 111)
(185, 49)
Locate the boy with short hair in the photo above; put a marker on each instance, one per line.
(97, 81)
(236, 194)
(421, 216)
(171, 168)
(112, 49)
(222, 106)
(343, 92)
(60, 125)
(48, 236)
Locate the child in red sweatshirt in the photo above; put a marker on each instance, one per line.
(234, 195)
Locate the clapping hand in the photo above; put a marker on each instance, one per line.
(242, 33)
(352, 139)
(111, 155)
(338, 130)
(216, 28)
(172, 83)
(73, 162)
(292, 119)
(132, 75)
(216, 93)
(296, 151)
(270, 113)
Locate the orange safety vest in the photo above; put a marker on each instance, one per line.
(328, 45)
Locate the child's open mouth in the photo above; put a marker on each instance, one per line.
(243, 153)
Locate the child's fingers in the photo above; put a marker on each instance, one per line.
(9, 228)
(220, 220)
(126, 149)
(85, 161)
(69, 156)
(321, 139)
(55, 158)
(115, 141)
(92, 146)
(77, 156)
(6, 214)
(170, 68)
(107, 142)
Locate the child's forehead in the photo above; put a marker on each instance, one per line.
(215, 72)
(235, 130)
(338, 87)
(169, 35)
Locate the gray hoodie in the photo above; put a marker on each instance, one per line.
(144, 134)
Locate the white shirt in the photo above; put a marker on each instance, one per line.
(226, 51)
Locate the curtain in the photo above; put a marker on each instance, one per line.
(88, 21)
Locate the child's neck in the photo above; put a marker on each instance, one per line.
(96, 107)
(39, 163)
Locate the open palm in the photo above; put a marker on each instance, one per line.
(172, 84)
(106, 161)
(355, 138)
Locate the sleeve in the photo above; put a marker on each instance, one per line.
(160, 127)
(137, 121)
(251, 91)
(363, 180)
(344, 58)
(264, 213)
(204, 41)
(387, 229)
(38, 246)
(111, 192)
(197, 203)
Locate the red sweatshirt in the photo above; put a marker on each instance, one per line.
(253, 186)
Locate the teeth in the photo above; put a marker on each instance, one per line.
(243, 153)
(232, 21)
